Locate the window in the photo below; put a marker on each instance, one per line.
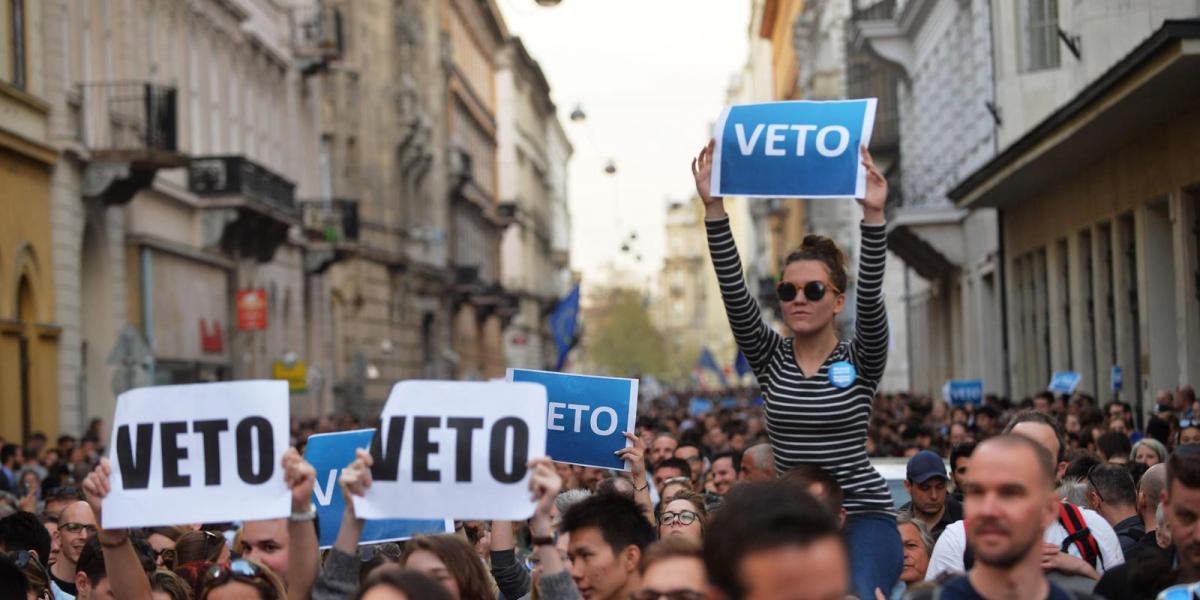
(18, 39)
(1039, 34)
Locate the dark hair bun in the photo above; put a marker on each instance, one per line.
(822, 249)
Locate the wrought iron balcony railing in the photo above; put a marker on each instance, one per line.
(127, 117)
(331, 220)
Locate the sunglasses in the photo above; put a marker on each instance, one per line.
(167, 555)
(813, 291)
(77, 527)
(683, 517)
(649, 594)
(239, 570)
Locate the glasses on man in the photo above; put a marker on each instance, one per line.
(683, 517)
(813, 291)
(649, 594)
(77, 527)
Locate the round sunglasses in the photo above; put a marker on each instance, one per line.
(813, 291)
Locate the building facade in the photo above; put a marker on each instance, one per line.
(940, 55)
(29, 330)
(1096, 190)
(535, 255)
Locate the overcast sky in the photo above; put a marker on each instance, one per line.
(652, 77)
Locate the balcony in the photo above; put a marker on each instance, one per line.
(248, 208)
(331, 228)
(128, 131)
(869, 77)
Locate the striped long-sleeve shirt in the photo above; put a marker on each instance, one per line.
(809, 420)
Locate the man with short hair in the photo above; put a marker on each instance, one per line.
(960, 461)
(695, 459)
(91, 577)
(1149, 496)
(1010, 502)
(23, 531)
(673, 568)
(662, 448)
(758, 464)
(926, 482)
(725, 467)
(1112, 493)
(668, 468)
(76, 525)
(822, 485)
(774, 540)
(1114, 447)
(1181, 505)
(1099, 539)
(608, 535)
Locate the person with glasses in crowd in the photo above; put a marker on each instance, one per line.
(163, 540)
(242, 579)
(672, 568)
(819, 389)
(76, 525)
(682, 515)
(694, 457)
(200, 546)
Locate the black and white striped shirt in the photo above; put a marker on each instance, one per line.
(809, 420)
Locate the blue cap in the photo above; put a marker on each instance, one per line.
(924, 466)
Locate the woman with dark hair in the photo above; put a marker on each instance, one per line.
(817, 388)
(452, 562)
(242, 578)
(200, 546)
(391, 583)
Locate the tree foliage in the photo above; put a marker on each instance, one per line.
(622, 340)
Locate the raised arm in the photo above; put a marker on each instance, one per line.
(303, 546)
(870, 325)
(754, 338)
(125, 574)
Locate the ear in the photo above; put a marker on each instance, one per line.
(839, 303)
(82, 583)
(1060, 471)
(1051, 509)
(632, 558)
(908, 486)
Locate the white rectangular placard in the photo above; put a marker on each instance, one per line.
(206, 452)
(456, 450)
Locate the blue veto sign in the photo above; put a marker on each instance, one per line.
(586, 416)
(1064, 382)
(798, 149)
(961, 392)
(329, 453)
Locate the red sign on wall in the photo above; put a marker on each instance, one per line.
(211, 340)
(252, 310)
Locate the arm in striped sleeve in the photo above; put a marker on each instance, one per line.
(754, 338)
(871, 325)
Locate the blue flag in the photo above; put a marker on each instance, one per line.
(708, 362)
(563, 322)
(741, 366)
(796, 149)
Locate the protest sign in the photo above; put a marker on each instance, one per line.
(797, 149)
(961, 392)
(699, 406)
(587, 416)
(1064, 382)
(456, 450)
(1118, 378)
(207, 452)
(329, 453)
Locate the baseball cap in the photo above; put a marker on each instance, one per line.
(924, 466)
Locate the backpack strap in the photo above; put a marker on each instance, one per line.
(1078, 533)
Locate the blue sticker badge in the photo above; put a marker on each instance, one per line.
(842, 374)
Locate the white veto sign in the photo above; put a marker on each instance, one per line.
(207, 453)
(456, 450)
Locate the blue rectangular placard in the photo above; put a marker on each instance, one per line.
(1118, 378)
(329, 453)
(586, 416)
(796, 149)
(700, 406)
(1064, 382)
(961, 392)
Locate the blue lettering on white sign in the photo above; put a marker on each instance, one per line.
(586, 417)
(329, 453)
(798, 149)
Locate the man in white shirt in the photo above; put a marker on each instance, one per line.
(950, 548)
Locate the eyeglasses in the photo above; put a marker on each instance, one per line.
(22, 559)
(166, 555)
(683, 517)
(76, 527)
(677, 481)
(649, 594)
(240, 570)
(532, 561)
(813, 291)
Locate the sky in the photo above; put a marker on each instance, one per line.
(652, 76)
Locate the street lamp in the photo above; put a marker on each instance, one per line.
(611, 167)
(578, 115)
(548, 2)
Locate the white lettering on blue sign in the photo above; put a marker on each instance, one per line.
(556, 416)
(775, 136)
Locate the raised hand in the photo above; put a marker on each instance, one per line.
(714, 208)
(545, 485)
(636, 455)
(877, 190)
(96, 487)
(356, 477)
(300, 477)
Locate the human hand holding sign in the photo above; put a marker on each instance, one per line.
(714, 208)
(877, 191)
(124, 568)
(355, 480)
(299, 476)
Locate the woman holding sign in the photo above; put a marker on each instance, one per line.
(817, 389)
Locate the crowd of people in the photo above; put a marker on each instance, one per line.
(767, 496)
